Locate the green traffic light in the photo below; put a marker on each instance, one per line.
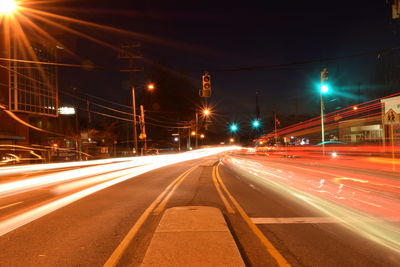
(233, 127)
(256, 123)
(324, 88)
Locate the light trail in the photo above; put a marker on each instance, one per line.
(20, 186)
(101, 182)
(371, 201)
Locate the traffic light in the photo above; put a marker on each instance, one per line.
(256, 123)
(324, 81)
(206, 89)
(233, 127)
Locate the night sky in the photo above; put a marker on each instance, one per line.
(218, 35)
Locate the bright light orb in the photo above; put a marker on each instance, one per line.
(7, 7)
(206, 112)
(324, 89)
(256, 124)
(150, 86)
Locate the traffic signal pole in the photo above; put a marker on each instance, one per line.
(322, 124)
(323, 89)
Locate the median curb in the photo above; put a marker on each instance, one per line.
(192, 236)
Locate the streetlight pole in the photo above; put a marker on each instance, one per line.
(135, 143)
(197, 129)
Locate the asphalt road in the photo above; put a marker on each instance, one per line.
(270, 227)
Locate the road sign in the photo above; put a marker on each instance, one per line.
(391, 117)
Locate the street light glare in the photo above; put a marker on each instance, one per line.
(206, 112)
(8, 7)
(150, 86)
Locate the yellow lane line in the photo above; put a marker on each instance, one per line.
(221, 195)
(11, 205)
(268, 245)
(164, 202)
(118, 252)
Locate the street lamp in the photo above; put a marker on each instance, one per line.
(150, 86)
(7, 7)
(206, 112)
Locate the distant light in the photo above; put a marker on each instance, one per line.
(256, 123)
(176, 139)
(66, 110)
(150, 86)
(324, 88)
(206, 112)
(202, 136)
(334, 154)
(355, 108)
(234, 127)
(231, 140)
(7, 7)
(193, 133)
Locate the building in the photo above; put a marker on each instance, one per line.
(29, 94)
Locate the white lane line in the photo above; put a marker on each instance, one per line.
(10, 205)
(300, 220)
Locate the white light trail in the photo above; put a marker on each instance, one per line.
(153, 163)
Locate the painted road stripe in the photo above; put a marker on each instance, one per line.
(221, 195)
(281, 261)
(300, 220)
(10, 205)
(164, 202)
(118, 252)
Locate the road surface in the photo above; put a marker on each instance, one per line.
(275, 217)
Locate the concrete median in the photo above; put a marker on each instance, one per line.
(192, 236)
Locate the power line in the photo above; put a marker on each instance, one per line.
(284, 65)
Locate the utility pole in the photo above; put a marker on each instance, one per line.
(135, 143)
(130, 53)
(143, 126)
